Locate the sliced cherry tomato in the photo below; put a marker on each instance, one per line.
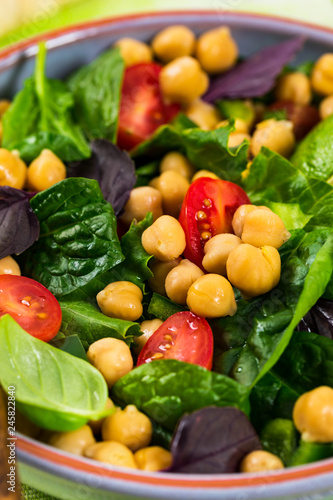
(207, 210)
(183, 336)
(31, 305)
(142, 109)
(304, 118)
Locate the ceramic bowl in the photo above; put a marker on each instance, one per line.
(70, 477)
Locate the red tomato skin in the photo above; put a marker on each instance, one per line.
(190, 339)
(217, 200)
(142, 109)
(27, 302)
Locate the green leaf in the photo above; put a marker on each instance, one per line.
(308, 452)
(290, 213)
(78, 236)
(55, 390)
(236, 109)
(71, 344)
(162, 307)
(167, 389)
(96, 89)
(279, 437)
(275, 114)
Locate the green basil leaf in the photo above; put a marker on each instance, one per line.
(54, 389)
(167, 389)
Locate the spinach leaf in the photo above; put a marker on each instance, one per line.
(78, 236)
(96, 89)
(19, 224)
(55, 390)
(309, 452)
(40, 117)
(280, 437)
(166, 389)
(71, 344)
(205, 149)
(162, 307)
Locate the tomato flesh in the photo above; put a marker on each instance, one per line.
(142, 109)
(31, 305)
(183, 336)
(207, 210)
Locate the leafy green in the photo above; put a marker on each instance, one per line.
(71, 344)
(166, 389)
(55, 390)
(279, 437)
(308, 452)
(96, 89)
(78, 237)
(162, 307)
(275, 114)
(40, 117)
(290, 213)
(235, 109)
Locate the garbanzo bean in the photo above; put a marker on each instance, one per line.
(240, 216)
(112, 357)
(179, 280)
(254, 271)
(216, 50)
(160, 271)
(322, 75)
(203, 114)
(153, 458)
(121, 299)
(204, 173)
(276, 135)
(173, 187)
(13, 171)
(211, 296)
(9, 266)
(260, 461)
(264, 227)
(45, 171)
(134, 51)
(240, 125)
(111, 452)
(130, 427)
(182, 80)
(236, 138)
(165, 238)
(326, 107)
(177, 162)
(148, 327)
(73, 441)
(96, 425)
(313, 415)
(217, 251)
(142, 200)
(173, 41)
(294, 87)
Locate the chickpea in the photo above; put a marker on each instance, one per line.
(295, 87)
(182, 80)
(148, 327)
(276, 135)
(246, 172)
(263, 227)
(173, 41)
(173, 188)
(252, 270)
(322, 75)
(177, 162)
(313, 415)
(165, 238)
(204, 173)
(179, 280)
(9, 266)
(236, 139)
(142, 200)
(240, 215)
(111, 452)
(203, 114)
(160, 271)
(240, 125)
(217, 251)
(73, 441)
(130, 427)
(45, 171)
(121, 299)
(326, 107)
(153, 458)
(112, 357)
(133, 51)
(96, 425)
(260, 461)
(216, 50)
(211, 296)
(13, 171)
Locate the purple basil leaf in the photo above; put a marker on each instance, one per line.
(19, 225)
(256, 75)
(212, 441)
(319, 319)
(112, 168)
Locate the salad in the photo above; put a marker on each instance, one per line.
(166, 255)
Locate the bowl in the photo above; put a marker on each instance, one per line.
(67, 476)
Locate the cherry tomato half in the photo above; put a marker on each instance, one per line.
(31, 305)
(183, 336)
(142, 109)
(207, 210)
(304, 118)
